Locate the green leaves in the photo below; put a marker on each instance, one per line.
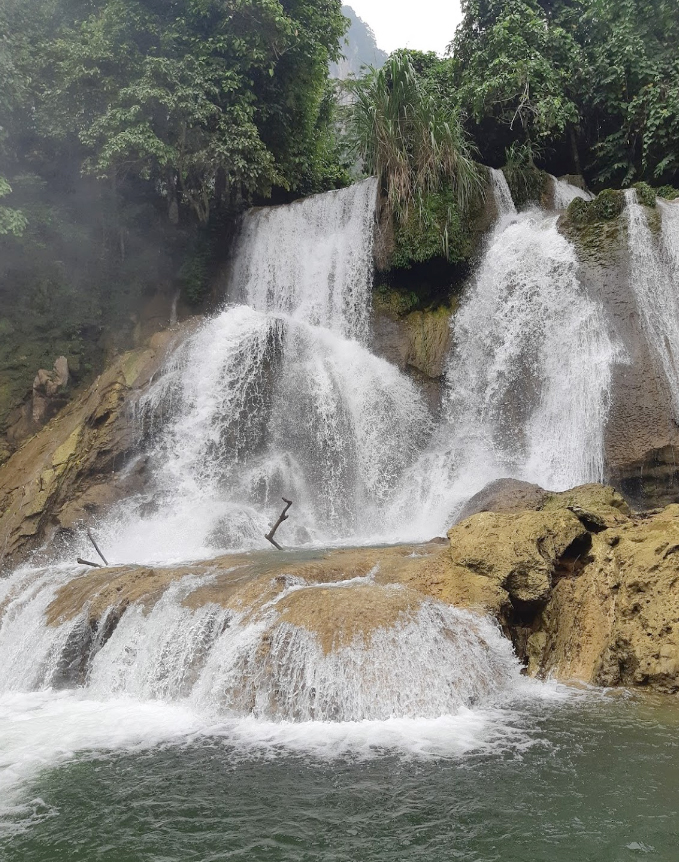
(12, 221)
(411, 142)
(212, 102)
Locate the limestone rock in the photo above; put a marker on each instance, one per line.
(504, 495)
(514, 556)
(67, 470)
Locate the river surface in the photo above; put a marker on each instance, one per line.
(571, 776)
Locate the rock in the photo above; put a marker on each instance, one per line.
(600, 606)
(504, 495)
(417, 342)
(513, 557)
(68, 470)
(46, 386)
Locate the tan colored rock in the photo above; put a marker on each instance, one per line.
(597, 604)
(49, 482)
(515, 554)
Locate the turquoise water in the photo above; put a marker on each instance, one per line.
(586, 778)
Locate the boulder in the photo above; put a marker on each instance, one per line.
(504, 495)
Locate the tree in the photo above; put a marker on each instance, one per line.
(210, 101)
(514, 72)
(631, 100)
(413, 144)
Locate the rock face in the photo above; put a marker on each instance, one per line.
(642, 437)
(67, 471)
(417, 342)
(585, 589)
(504, 495)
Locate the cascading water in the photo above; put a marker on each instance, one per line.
(528, 379)
(280, 396)
(565, 193)
(654, 263)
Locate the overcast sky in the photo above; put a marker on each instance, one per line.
(426, 25)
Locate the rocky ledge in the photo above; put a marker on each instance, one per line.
(585, 589)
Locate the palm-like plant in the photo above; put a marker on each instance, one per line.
(413, 145)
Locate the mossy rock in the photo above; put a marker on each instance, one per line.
(528, 184)
(396, 302)
(645, 194)
(669, 193)
(596, 226)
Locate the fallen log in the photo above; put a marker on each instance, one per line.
(283, 517)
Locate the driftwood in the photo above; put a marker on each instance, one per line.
(284, 517)
(96, 547)
(82, 562)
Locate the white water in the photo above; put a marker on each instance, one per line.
(528, 380)
(311, 260)
(655, 282)
(565, 193)
(440, 682)
(280, 395)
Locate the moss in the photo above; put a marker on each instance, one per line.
(669, 193)
(645, 194)
(527, 183)
(595, 226)
(393, 301)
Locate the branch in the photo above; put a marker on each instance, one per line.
(284, 517)
(82, 562)
(96, 547)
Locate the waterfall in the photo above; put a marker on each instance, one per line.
(565, 193)
(278, 397)
(311, 260)
(654, 263)
(501, 193)
(528, 379)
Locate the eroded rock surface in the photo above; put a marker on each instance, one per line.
(585, 589)
(68, 470)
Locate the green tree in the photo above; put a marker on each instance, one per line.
(515, 70)
(210, 101)
(631, 92)
(413, 144)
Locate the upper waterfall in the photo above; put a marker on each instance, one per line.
(311, 260)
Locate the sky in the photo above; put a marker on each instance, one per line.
(425, 25)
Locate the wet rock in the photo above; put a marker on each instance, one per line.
(504, 495)
(70, 469)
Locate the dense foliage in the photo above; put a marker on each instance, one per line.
(417, 148)
(590, 85)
